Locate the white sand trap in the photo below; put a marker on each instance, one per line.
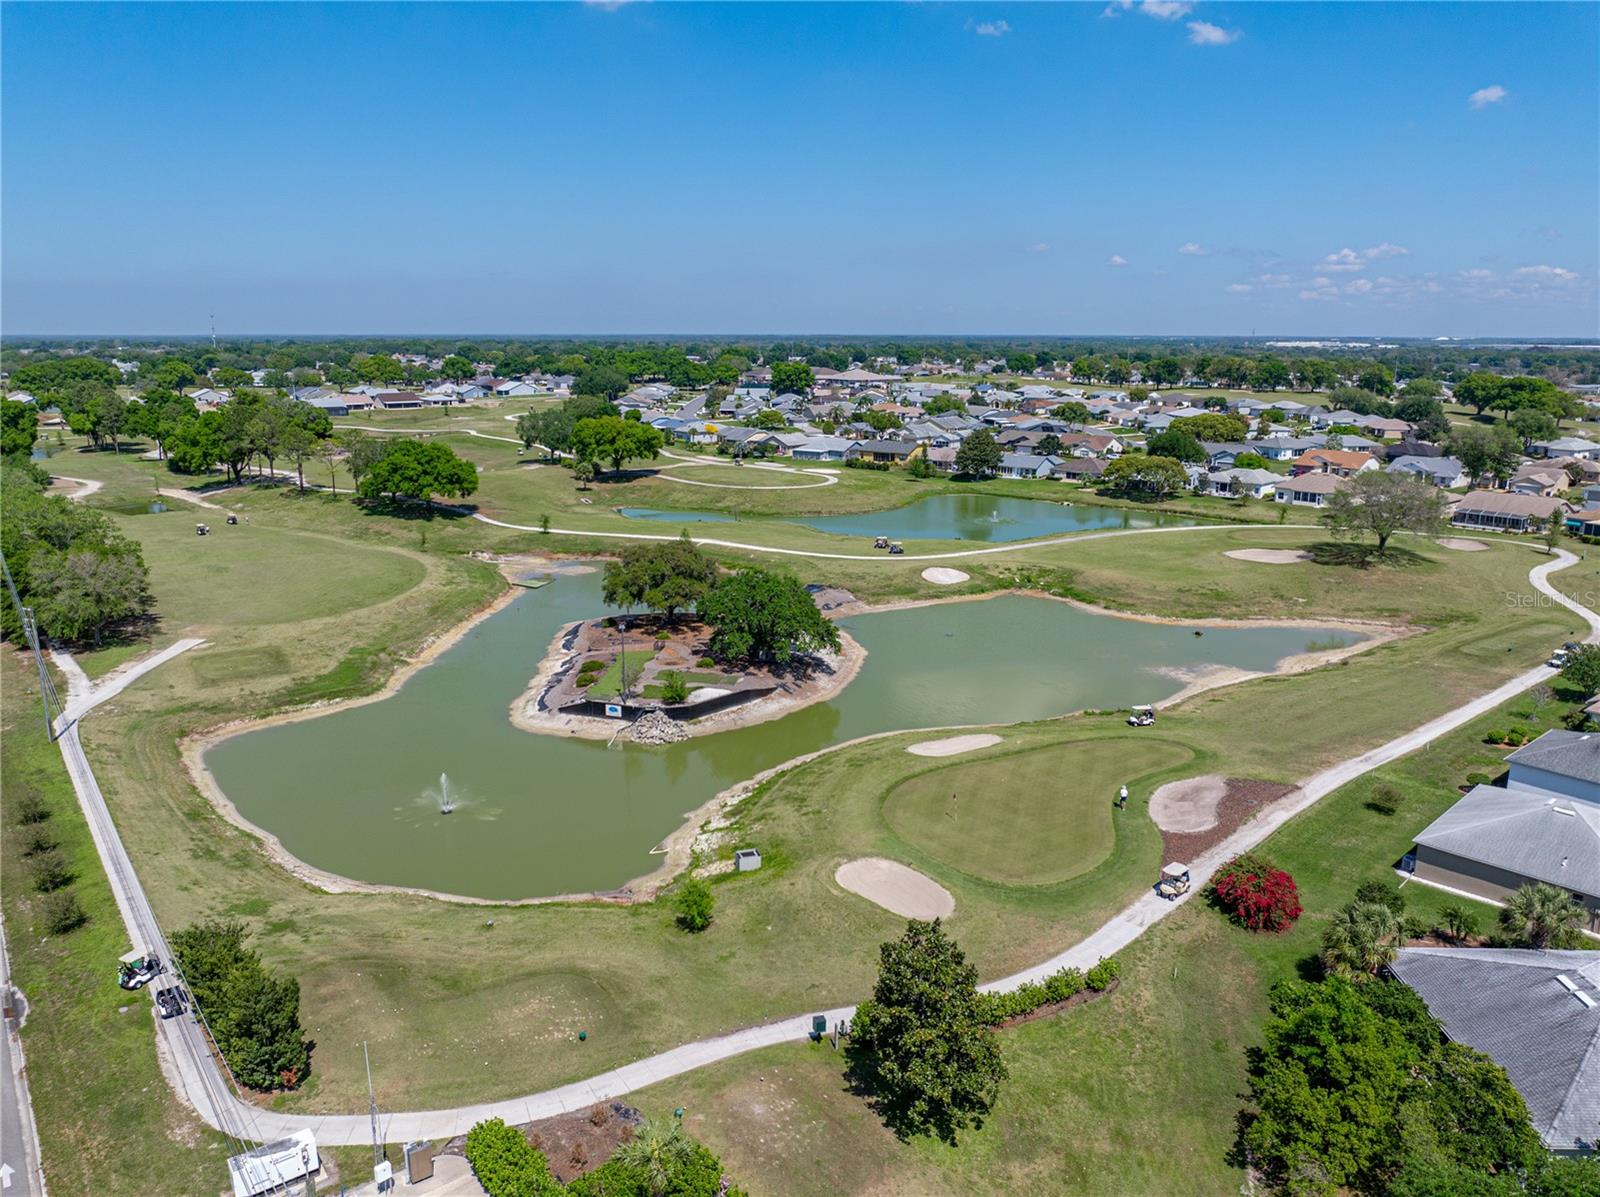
(896, 888)
(1462, 545)
(1269, 556)
(1188, 805)
(952, 745)
(941, 576)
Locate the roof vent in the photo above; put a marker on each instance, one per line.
(1564, 810)
(1572, 987)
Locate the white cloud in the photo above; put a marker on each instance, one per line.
(1485, 96)
(1386, 250)
(1348, 259)
(1239, 288)
(1204, 33)
(1275, 280)
(1358, 286)
(1039, 247)
(992, 29)
(1165, 10)
(1477, 275)
(1191, 249)
(1545, 274)
(1117, 260)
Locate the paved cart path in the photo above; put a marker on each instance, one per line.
(194, 1071)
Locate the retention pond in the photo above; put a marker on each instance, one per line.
(358, 792)
(988, 518)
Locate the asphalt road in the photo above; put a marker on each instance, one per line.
(204, 1087)
(19, 1148)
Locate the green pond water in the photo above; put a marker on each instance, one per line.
(356, 792)
(990, 518)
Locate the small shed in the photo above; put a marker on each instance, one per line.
(746, 860)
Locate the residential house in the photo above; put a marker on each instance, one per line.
(1240, 484)
(822, 448)
(355, 401)
(209, 397)
(517, 388)
(1383, 427)
(1221, 455)
(1444, 472)
(1543, 825)
(1079, 469)
(396, 400)
(333, 405)
(1026, 465)
(1285, 448)
(1308, 490)
(1535, 480)
(1504, 511)
(1341, 463)
(883, 451)
(1568, 446)
(1536, 1013)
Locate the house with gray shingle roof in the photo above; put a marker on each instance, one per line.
(1543, 825)
(1534, 1013)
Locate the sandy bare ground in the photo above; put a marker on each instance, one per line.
(1462, 545)
(85, 486)
(1269, 556)
(941, 575)
(188, 496)
(896, 887)
(952, 745)
(1188, 805)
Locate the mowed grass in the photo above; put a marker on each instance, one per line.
(435, 990)
(107, 1121)
(252, 574)
(1131, 1094)
(1027, 818)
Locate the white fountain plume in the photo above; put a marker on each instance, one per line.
(446, 802)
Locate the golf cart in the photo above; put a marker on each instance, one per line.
(1174, 880)
(881, 542)
(202, 529)
(137, 969)
(170, 1001)
(1144, 716)
(896, 548)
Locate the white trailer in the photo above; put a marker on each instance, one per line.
(273, 1166)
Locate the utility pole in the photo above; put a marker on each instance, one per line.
(372, 1107)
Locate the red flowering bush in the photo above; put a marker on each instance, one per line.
(1257, 895)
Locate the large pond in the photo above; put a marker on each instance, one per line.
(955, 517)
(355, 791)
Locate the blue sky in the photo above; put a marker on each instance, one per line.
(1155, 167)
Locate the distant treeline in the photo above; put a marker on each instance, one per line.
(699, 361)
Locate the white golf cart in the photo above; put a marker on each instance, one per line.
(1174, 880)
(137, 968)
(1144, 716)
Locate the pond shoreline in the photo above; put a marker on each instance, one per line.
(677, 848)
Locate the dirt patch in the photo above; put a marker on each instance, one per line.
(898, 888)
(574, 1143)
(941, 575)
(1269, 556)
(1189, 805)
(1242, 799)
(952, 745)
(1462, 545)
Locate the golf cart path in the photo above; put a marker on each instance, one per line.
(86, 486)
(193, 1072)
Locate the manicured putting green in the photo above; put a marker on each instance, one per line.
(1027, 818)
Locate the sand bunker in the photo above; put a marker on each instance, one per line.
(1188, 805)
(896, 888)
(941, 576)
(1462, 545)
(952, 745)
(1269, 556)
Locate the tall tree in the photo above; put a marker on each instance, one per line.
(666, 576)
(978, 455)
(1376, 503)
(418, 470)
(1543, 916)
(614, 439)
(935, 1060)
(19, 428)
(759, 615)
(795, 377)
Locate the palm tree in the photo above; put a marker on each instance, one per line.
(656, 1151)
(1360, 940)
(1541, 916)
(1460, 922)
